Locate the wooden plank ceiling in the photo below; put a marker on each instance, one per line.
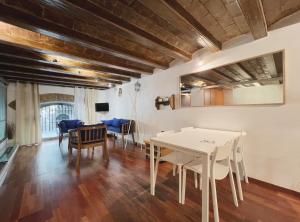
(102, 43)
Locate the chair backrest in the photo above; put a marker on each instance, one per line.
(92, 133)
(224, 152)
(239, 143)
(221, 156)
(187, 128)
(128, 126)
(164, 133)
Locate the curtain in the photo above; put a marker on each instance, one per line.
(28, 131)
(79, 110)
(90, 113)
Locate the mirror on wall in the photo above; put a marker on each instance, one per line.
(254, 81)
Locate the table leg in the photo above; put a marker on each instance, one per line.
(205, 189)
(152, 169)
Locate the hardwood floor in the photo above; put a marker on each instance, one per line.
(42, 187)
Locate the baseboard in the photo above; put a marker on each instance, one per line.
(274, 187)
(5, 169)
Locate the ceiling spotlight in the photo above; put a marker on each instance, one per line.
(109, 85)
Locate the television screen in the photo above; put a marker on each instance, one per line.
(102, 107)
(2, 111)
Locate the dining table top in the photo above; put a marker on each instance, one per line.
(197, 140)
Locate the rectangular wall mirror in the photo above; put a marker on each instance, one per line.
(254, 81)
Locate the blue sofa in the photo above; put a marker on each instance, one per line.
(120, 126)
(65, 125)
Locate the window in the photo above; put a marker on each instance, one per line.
(53, 113)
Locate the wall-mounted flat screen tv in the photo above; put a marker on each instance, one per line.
(102, 107)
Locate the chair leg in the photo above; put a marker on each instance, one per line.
(78, 160)
(244, 170)
(132, 134)
(70, 154)
(114, 136)
(214, 199)
(233, 187)
(183, 186)
(123, 141)
(60, 138)
(196, 179)
(155, 171)
(180, 182)
(174, 170)
(105, 152)
(200, 182)
(238, 179)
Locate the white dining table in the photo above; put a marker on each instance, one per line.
(198, 141)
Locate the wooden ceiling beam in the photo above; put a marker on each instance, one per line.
(37, 65)
(55, 30)
(20, 76)
(8, 73)
(207, 38)
(140, 35)
(45, 82)
(19, 37)
(31, 55)
(10, 68)
(255, 17)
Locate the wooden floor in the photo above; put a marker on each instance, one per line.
(42, 187)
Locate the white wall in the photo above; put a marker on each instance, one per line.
(267, 94)
(273, 141)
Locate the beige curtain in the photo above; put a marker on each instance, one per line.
(28, 131)
(79, 103)
(89, 100)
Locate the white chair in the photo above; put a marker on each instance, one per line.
(176, 158)
(220, 167)
(184, 129)
(239, 163)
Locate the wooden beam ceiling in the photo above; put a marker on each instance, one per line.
(59, 31)
(140, 35)
(53, 83)
(13, 35)
(31, 55)
(11, 68)
(207, 38)
(37, 65)
(111, 41)
(255, 17)
(30, 78)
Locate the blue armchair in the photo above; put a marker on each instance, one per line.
(120, 126)
(65, 125)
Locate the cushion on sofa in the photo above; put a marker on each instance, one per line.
(124, 121)
(107, 122)
(116, 122)
(114, 129)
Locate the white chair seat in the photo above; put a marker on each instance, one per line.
(220, 170)
(177, 158)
